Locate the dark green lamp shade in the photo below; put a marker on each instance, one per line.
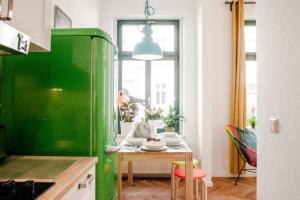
(147, 49)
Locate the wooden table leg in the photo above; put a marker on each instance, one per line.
(173, 181)
(196, 189)
(130, 173)
(119, 176)
(189, 176)
(203, 190)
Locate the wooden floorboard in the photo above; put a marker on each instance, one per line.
(159, 189)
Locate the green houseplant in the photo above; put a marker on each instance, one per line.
(252, 120)
(154, 116)
(172, 120)
(128, 111)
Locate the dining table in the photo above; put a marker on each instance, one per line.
(129, 154)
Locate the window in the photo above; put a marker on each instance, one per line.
(154, 82)
(251, 66)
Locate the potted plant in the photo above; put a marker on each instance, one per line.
(252, 120)
(153, 116)
(172, 120)
(128, 111)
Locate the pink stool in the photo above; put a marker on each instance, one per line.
(198, 176)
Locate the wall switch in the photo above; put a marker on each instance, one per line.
(274, 122)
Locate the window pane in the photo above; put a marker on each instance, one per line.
(162, 34)
(133, 80)
(251, 80)
(250, 38)
(131, 35)
(162, 84)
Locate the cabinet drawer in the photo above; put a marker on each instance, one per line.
(84, 189)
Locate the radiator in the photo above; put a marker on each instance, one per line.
(151, 168)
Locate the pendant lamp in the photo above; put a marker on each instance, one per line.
(147, 49)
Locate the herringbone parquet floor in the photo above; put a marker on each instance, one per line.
(159, 189)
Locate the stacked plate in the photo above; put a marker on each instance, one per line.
(136, 141)
(169, 134)
(172, 141)
(154, 146)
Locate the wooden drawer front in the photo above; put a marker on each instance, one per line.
(83, 189)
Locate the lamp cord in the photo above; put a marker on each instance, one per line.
(149, 11)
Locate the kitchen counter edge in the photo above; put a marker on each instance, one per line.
(67, 179)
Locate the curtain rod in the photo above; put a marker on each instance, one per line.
(246, 2)
(230, 2)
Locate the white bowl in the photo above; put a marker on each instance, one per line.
(154, 144)
(136, 141)
(172, 140)
(147, 149)
(169, 134)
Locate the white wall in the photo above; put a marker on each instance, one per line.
(83, 13)
(216, 81)
(167, 9)
(278, 29)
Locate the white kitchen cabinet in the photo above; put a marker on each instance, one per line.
(33, 18)
(84, 189)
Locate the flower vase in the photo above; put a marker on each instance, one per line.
(170, 129)
(253, 130)
(154, 124)
(127, 128)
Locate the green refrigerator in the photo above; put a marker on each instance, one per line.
(62, 103)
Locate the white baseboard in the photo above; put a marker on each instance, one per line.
(227, 174)
(208, 182)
